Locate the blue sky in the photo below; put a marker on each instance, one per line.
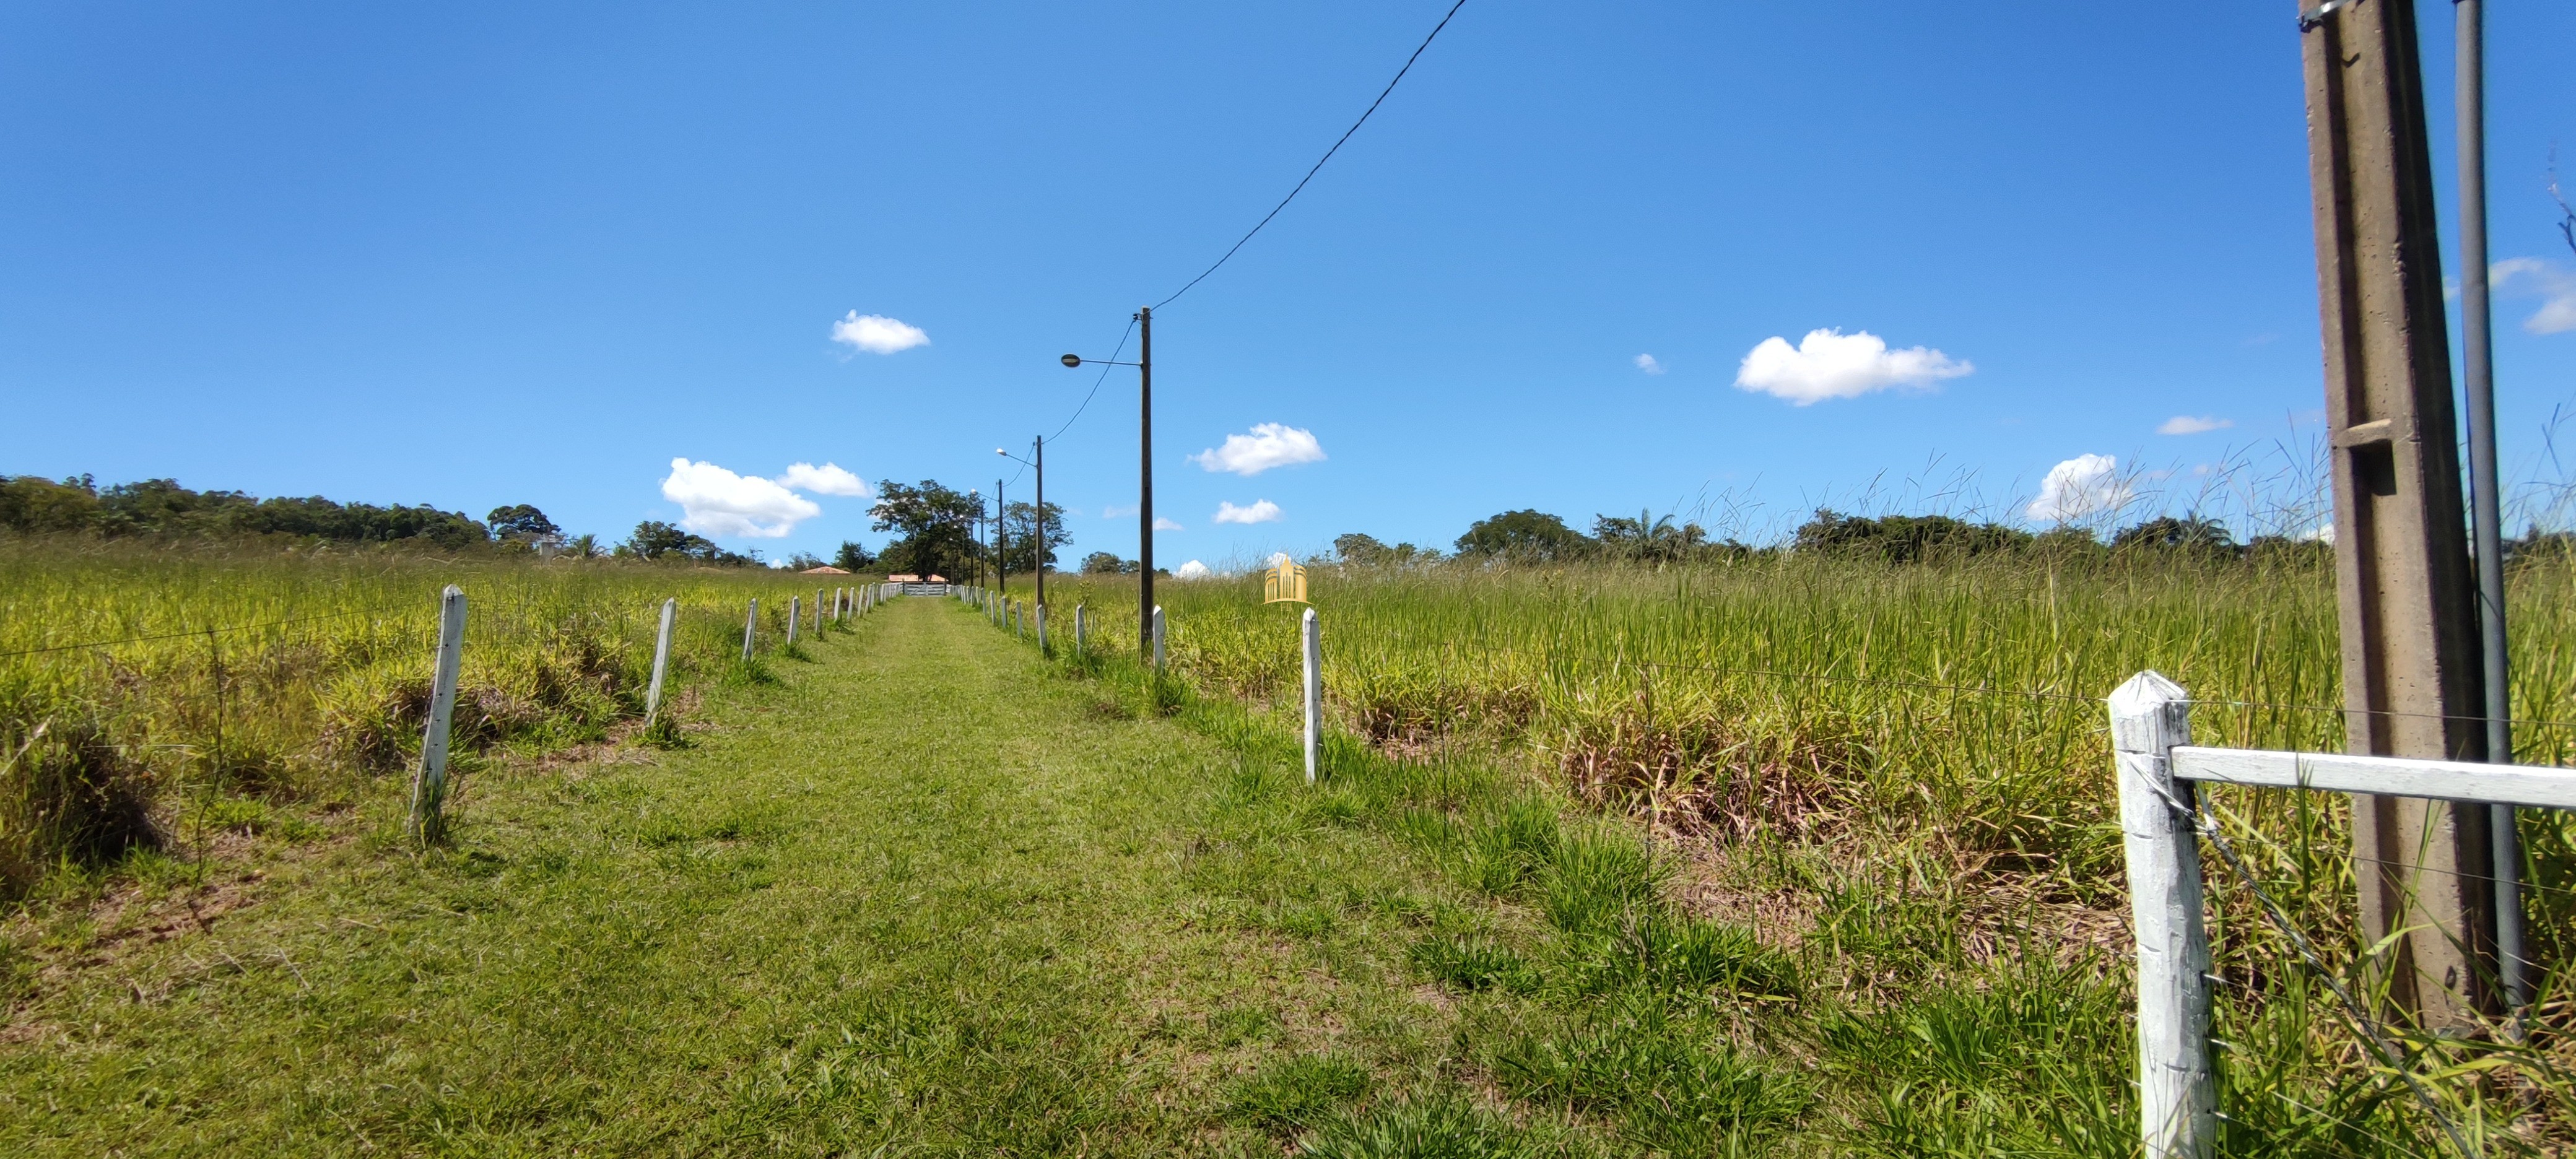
(472, 255)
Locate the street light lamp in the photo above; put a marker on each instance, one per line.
(1144, 365)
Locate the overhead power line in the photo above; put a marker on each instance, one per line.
(1319, 163)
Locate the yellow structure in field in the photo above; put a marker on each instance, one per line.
(1283, 584)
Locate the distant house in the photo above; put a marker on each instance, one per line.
(826, 569)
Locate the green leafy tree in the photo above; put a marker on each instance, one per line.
(1019, 537)
(656, 540)
(2166, 533)
(852, 557)
(1524, 534)
(1906, 538)
(1106, 563)
(804, 561)
(934, 526)
(522, 521)
(35, 503)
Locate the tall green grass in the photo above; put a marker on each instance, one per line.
(1900, 775)
(139, 682)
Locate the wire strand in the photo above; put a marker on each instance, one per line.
(1319, 163)
(1105, 368)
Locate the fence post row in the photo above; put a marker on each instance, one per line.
(661, 661)
(1158, 639)
(427, 821)
(750, 622)
(2177, 1099)
(1312, 636)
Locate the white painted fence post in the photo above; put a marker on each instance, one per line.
(2177, 1098)
(661, 661)
(795, 612)
(1039, 612)
(1080, 627)
(749, 623)
(1313, 635)
(1158, 639)
(428, 821)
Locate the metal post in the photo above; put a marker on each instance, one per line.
(1037, 546)
(2412, 677)
(1158, 639)
(749, 623)
(1145, 608)
(2486, 497)
(1313, 637)
(2177, 1098)
(661, 661)
(1080, 636)
(428, 821)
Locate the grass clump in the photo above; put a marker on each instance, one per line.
(1297, 1091)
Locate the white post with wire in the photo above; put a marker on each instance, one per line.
(750, 623)
(2177, 1096)
(1312, 635)
(661, 661)
(428, 822)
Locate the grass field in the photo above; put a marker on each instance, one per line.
(1801, 856)
(134, 676)
(1902, 773)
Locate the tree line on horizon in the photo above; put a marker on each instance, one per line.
(940, 531)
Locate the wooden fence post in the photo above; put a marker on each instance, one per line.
(1158, 639)
(749, 623)
(661, 661)
(428, 821)
(2177, 1098)
(1313, 638)
(1079, 626)
(1038, 612)
(818, 611)
(795, 612)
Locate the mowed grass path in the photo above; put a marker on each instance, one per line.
(920, 897)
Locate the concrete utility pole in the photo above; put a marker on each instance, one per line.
(1001, 541)
(2413, 684)
(1145, 485)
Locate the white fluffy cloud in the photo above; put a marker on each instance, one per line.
(877, 334)
(1261, 511)
(2557, 288)
(1831, 364)
(715, 501)
(1269, 445)
(1162, 523)
(2082, 486)
(2189, 425)
(1647, 363)
(1192, 570)
(828, 479)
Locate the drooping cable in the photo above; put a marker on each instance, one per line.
(1319, 163)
